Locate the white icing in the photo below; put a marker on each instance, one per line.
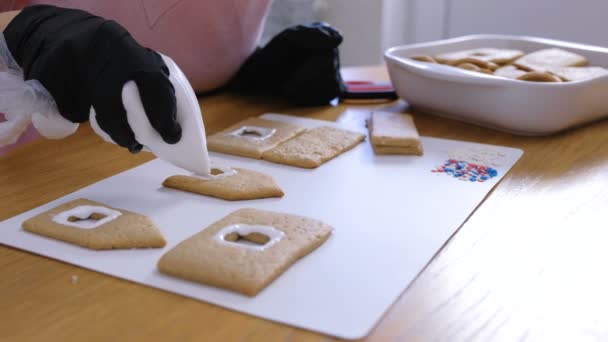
(274, 235)
(226, 172)
(263, 132)
(83, 212)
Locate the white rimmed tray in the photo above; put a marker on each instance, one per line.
(519, 107)
(384, 210)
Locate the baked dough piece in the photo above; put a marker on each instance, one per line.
(539, 76)
(541, 60)
(577, 73)
(394, 133)
(314, 147)
(509, 71)
(488, 55)
(237, 184)
(246, 250)
(97, 226)
(252, 137)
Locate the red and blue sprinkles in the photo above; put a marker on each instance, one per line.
(466, 171)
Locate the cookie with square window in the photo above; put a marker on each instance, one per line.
(232, 184)
(314, 147)
(252, 137)
(246, 250)
(95, 225)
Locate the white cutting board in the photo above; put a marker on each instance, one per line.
(391, 214)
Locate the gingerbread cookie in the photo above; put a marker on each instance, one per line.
(394, 133)
(252, 137)
(245, 251)
(473, 67)
(314, 147)
(577, 73)
(487, 55)
(230, 184)
(97, 226)
(509, 71)
(424, 58)
(539, 76)
(541, 60)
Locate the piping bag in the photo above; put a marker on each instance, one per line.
(25, 102)
(190, 152)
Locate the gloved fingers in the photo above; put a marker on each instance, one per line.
(311, 36)
(52, 125)
(13, 128)
(95, 126)
(158, 99)
(113, 121)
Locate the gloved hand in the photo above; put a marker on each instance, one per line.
(84, 61)
(302, 64)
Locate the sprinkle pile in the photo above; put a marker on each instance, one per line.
(466, 171)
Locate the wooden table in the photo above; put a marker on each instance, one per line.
(529, 264)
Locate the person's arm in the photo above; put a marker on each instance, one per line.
(6, 17)
(83, 61)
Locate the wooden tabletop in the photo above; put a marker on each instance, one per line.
(529, 264)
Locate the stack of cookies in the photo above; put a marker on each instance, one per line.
(546, 65)
(394, 133)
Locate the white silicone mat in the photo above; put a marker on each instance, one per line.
(391, 214)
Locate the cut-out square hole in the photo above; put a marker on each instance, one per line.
(248, 239)
(254, 237)
(86, 216)
(92, 217)
(254, 132)
(250, 133)
(215, 172)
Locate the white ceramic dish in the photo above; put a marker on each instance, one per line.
(519, 107)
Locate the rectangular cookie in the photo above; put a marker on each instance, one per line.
(509, 71)
(252, 137)
(577, 73)
(231, 184)
(245, 251)
(542, 59)
(394, 133)
(97, 226)
(314, 147)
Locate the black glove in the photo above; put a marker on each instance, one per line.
(84, 60)
(301, 64)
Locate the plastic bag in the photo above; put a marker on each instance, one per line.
(24, 102)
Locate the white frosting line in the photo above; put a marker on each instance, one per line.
(264, 132)
(83, 212)
(226, 172)
(274, 235)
